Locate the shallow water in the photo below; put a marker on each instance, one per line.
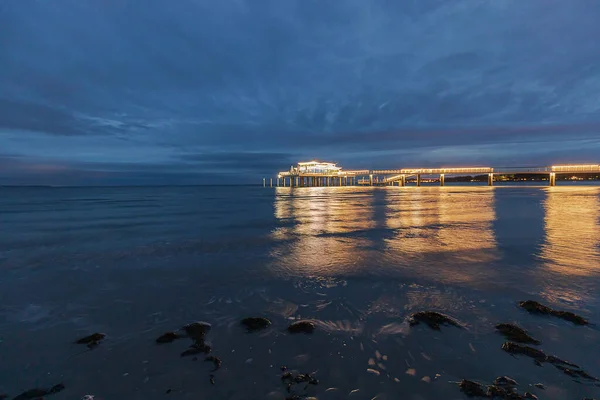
(136, 262)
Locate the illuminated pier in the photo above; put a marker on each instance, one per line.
(317, 173)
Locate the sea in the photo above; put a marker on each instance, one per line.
(357, 262)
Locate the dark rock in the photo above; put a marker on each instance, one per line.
(514, 348)
(301, 327)
(212, 379)
(575, 373)
(215, 360)
(32, 394)
(539, 356)
(56, 388)
(293, 379)
(516, 333)
(197, 330)
(536, 308)
(168, 391)
(433, 319)
(557, 361)
(472, 389)
(197, 348)
(539, 386)
(531, 396)
(283, 368)
(91, 340)
(256, 323)
(497, 391)
(37, 393)
(167, 337)
(505, 381)
(300, 378)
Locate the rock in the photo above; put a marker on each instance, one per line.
(575, 373)
(539, 386)
(505, 381)
(557, 361)
(291, 379)
(539, 356)
(472, 389)
(167, 337)
(37, 393)
(498, 391)
(433, 319)
(514, 348)
(536, 308)
(212, 379)
(302, 327)
(197, 330)
(196, 348)
(215, 360)
(256, 323)
(92, 340)
(516, 333)
(531, 396)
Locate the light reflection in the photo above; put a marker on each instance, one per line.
(322, 230)
(449, 229)
(441, 234)
(572, 231)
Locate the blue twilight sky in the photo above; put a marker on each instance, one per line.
(204, 91)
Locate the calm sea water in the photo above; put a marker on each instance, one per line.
(136, 262)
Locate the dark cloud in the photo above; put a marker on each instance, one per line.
(172, 87)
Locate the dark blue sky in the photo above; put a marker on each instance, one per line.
(191, 91)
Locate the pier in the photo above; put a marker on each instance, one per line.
(316, 173)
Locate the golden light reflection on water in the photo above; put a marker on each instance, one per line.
(320, 223)
(445, 234)
(449, 227)
(572, 231)
(442, 231)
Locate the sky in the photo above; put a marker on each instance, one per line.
(201, 91)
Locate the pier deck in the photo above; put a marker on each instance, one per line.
(315, 173)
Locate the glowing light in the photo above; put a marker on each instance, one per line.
(576, 168)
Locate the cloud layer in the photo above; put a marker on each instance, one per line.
(195, 91)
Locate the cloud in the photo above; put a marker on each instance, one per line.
(258, 84)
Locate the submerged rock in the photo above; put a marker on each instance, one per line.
(575, 373)
(197, 348)
(215, 360)
(516, 333)
(302, 327)
(505, 381)
(514, 348)
(197, 330)
(291, 379)
(539, 356)
(472, 389)
(539, 386)
(37, 393)
(168, 337)
(256, 323)
(537, 308)
(503, 388)
(433, 319)
(92, 340)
